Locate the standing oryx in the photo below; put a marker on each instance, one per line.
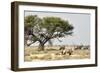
(65, 51)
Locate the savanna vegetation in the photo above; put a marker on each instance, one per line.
(45, 29)
(42, 30)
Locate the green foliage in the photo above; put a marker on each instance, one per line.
(30, 20)
(47, 28)
(56, 24)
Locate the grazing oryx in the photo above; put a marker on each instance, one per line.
(79, 47)
(64, 51)
(85, 47)
(70, 51)
(62, 48)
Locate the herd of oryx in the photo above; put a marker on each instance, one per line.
(69, 50)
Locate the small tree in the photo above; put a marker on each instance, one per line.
(47, 28)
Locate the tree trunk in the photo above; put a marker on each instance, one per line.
(25, 39)
(41, 47)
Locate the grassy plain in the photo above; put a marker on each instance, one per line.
(52, 53)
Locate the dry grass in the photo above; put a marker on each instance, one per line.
(32, 54)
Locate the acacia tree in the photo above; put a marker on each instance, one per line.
(30, 22)
(45, 29)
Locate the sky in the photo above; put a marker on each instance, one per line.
(80, 21)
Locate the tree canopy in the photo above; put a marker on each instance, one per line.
(46, 28)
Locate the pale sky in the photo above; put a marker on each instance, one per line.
(81, 23)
